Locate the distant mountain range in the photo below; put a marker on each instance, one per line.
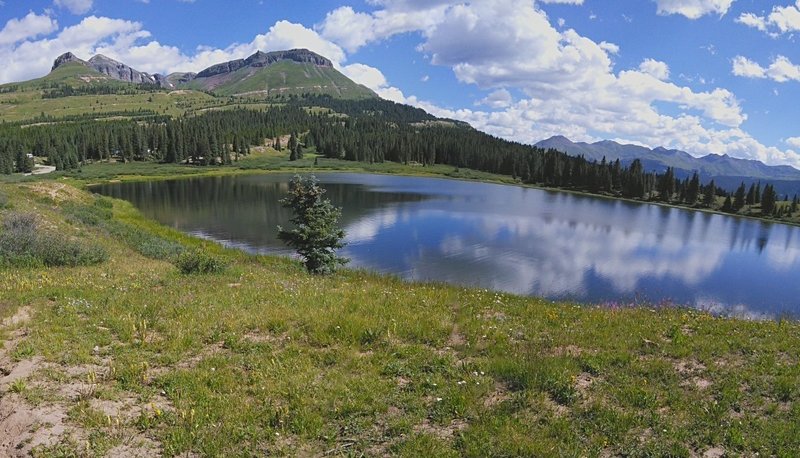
(296, 71)
(727, 172)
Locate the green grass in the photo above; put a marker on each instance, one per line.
(262, 358)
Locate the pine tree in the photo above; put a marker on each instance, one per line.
(739, 198)
(768, 200)
(693, 189)
(727, 207)
(316, 235)
(757, 199)
(751, 195)
(710, 194)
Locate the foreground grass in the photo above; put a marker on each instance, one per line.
(263, 358)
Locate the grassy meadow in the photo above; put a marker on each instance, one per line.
(128, 356)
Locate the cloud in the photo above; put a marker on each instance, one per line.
(564, 83)
(500, 98)
(30, 26)
(693, 9)
(782, 19)
(793, 141)
(352, 30)
(75, 6)
(745, 67)
(657, 69)
(374, 79)
(752, 20)
(568, 81)
(128, 42)
(780, 70)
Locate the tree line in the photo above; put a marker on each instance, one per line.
(358, 130)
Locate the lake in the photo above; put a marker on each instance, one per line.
(525, 241)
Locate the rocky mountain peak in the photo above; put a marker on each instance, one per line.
(264, 59)
(67, 58)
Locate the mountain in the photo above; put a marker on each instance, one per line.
(727, 172)
(111, 68)
(296, 71)
(658, 159)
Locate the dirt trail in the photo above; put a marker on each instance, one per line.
(24, 427)
(18, 421)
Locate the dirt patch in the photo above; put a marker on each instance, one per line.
(688, 367)
(19, 371)
(206, 352)
(22, 315)
(500, 394)
(136, 448)
(456, 338)
(444, 432)
(583, 382)
(569, 350)
(10, 370)
(692, 373)
(25, 427)
(716, 452)
(57, 192)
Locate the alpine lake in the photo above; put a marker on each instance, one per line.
(558, 245)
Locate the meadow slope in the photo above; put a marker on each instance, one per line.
(131, 357)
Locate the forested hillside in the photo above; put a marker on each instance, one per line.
(370, 130)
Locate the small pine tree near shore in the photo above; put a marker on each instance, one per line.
(316, 235)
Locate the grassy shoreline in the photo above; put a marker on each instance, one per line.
(274, 162)
(264, 359)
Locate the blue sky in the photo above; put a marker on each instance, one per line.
(705, 76)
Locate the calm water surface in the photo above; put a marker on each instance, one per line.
(525, 241)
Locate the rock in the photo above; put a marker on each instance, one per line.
(176, 79)
(262, 59)
(120, 71)
(66, 58)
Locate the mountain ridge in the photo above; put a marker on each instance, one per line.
(659, 158)
(262, 73)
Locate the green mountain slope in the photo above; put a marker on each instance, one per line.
(72, 74)
(265, 75)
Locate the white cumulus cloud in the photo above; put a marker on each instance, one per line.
(30, 26)
(793, 141)
(655, 68)
(693, 9)
(782, 19)
(780, 70)
(571, 87)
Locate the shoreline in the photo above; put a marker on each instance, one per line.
(202, 171)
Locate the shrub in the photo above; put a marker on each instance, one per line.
(24, 244)
(100, 214)
(199, 262)
(144, 242)
(90, 215)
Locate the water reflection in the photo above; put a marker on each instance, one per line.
(507, 238)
